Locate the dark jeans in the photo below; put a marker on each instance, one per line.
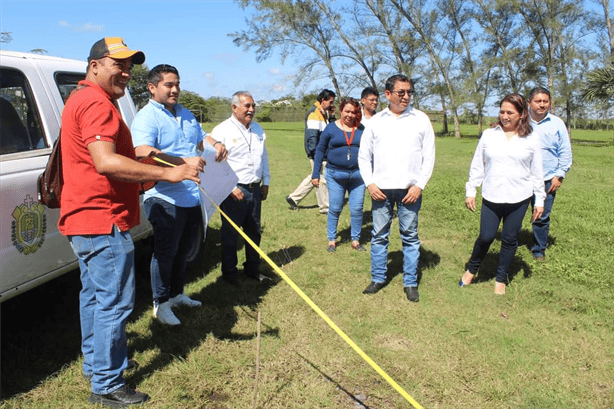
(491, 215)
(175, 234)
(541, 226)
(246, 215)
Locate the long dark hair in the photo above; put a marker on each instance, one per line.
(524, 125)
(356, 105)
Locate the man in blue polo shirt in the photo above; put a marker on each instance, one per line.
(556, 154)
(173, 209)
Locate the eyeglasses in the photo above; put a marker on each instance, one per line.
(402, 93)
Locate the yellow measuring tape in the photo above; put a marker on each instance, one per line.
(312, 304)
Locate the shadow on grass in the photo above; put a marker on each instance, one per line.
(426, 261)
(525, 238)
(41, 330)
(357, 402)
(488, 267)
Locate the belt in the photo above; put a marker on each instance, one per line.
(249, 185)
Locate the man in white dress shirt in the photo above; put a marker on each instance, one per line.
(247, 156)
(396, 159)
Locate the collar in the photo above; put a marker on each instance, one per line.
(158, 105)
(407, 111)
(93, 85)
(239, 124)
(548, 117)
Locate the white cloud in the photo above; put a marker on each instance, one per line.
(85, 28)
(89, 28)
(274, 71)
(209, 75)
(226, 58)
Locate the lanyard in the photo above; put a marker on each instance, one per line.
(349, 140)
(249, 144)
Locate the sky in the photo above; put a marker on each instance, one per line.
(190, 35)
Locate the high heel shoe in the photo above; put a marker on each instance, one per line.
(468, 277)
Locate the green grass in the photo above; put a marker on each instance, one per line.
(547, 344)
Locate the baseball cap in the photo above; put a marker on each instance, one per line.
(114, 47)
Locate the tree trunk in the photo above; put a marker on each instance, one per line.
(445, 113)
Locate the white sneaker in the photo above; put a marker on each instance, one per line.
(164, 314)
(183, 299)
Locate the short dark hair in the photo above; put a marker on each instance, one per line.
(392, 81)
(155, 74)
(369, 91)
(538, 90)
(325, 94)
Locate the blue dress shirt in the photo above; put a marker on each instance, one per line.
(177, 135)
(556, 148)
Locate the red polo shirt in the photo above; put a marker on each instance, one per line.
(93, 203)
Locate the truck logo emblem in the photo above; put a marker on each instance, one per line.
(29, 226)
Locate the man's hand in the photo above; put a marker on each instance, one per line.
(537, 213)
(222, 152)
(237, 194)
(315, 182)
(470, 203)
(412, 196)
(182, 172)
(376, 193)
(196, 161)
(555, 183)
(264, 191)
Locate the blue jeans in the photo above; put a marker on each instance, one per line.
(105, 302)
(408, 229)
(490, 218)
(541, 226)
(175, 235)
(339, 182)
(246, 215)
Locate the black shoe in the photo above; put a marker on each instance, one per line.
(373, 288)
(412, 293)
(257, 276)
(120, 398)
(292, 203)
(231, 281)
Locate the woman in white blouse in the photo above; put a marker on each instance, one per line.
(508, 164)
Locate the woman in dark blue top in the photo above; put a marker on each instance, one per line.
(339, 143)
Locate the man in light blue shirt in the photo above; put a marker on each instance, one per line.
(164, 127)
(556, 154)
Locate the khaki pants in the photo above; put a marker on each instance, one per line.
(305, 187)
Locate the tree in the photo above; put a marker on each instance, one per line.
(290, 27)
(424, 22)
(354, 54)
(138, 86)
(600, 85)
(5, 37)
(195, 104)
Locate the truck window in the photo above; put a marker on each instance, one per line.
(20, 124)
(67, 82)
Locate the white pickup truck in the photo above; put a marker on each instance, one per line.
(33, 89)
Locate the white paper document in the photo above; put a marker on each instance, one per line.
(218, 180)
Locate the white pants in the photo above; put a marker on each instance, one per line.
(305, 187)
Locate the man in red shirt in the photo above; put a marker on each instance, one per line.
(98, 207)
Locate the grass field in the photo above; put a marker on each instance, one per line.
(548, 343)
